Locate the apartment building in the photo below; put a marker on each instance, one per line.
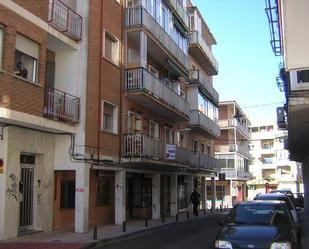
(287, 19)
(42, 108)
(232, 151)
(167, 134)
(116, 113)
(270, 166)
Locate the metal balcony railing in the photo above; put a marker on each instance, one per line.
(139, 79)
(61, 106)
(64, 19)
(139, 16)
(225, 123)
(198, 76)
(240, 148)
(181, 12)
(197, 118)
(138, 145)
(196, 38)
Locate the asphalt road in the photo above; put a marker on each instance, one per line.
(199, 233)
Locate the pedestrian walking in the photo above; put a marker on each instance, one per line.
(195, 200)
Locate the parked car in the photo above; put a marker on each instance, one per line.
(281, 197)
(299, 199)
(286, 192)
(258, 224)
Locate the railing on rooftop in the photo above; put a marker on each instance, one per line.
(139, 79)
(64, 19)
(139, 16)
(61, 106)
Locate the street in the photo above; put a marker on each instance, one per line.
(199, 232)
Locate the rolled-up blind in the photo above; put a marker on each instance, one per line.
(27, 46)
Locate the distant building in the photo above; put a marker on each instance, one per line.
(232, 151)
(271, 167)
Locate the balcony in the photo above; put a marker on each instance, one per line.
(228, 123)
(234, 174)
(202, 53)
(200, 121)
(65, 20)
(138, 17)
(140, 148)
(147, 90)
(199, 77)
(242, 149)
(61, 106)
(180, 11)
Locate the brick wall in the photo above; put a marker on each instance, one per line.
(15, 93)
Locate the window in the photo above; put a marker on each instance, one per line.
(303, 76)
(195, 146)
(169, 136)
(154, 129)
(134, 123)
(67, 195)
(153, 71)
(26, 58)
(110, 114)
(1, 45)
(103, 193)
(111, 48)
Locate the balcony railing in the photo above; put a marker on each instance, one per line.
(139, 79)
(137, 145)
(181, 12)
(224, 123)
(61, 106)
(240, 148)
(196, 39)
(197, 118)
(139, 16)
(232, 173)
(200, 77)
(64, 19)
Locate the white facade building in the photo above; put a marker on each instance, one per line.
(271, 166)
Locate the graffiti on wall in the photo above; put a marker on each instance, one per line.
(12, 190)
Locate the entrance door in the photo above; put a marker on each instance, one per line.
(26, 192)
(165, 195)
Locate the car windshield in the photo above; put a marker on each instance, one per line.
(258, 215)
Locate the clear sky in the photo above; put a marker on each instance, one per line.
(247, 65)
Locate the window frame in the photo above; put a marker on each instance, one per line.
(114, 118)
(115, 48)
(2, 31)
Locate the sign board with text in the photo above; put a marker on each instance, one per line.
(170, 151)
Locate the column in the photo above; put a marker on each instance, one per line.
(82, 198)
(156, 196)
(214, 194)
(204, 193)
(189, 191)
(174, 195)
(120, 197)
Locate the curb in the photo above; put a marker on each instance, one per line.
(114, 239)
(89, 245)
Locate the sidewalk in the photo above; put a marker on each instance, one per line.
(105, 234)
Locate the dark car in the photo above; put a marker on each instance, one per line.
(281, 197)
(286, 192)
(258, 224)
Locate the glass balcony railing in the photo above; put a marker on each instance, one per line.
(139, 16)
(139, 79)
(197, 118)
(198, 76)
(181, 12)
(196, 39)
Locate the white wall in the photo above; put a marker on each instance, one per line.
(296, 37)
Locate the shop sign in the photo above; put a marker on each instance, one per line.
(170, 151)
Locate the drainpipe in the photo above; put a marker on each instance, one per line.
(100, 82)
(122, 57)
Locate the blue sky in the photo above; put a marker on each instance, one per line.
(247, 65)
